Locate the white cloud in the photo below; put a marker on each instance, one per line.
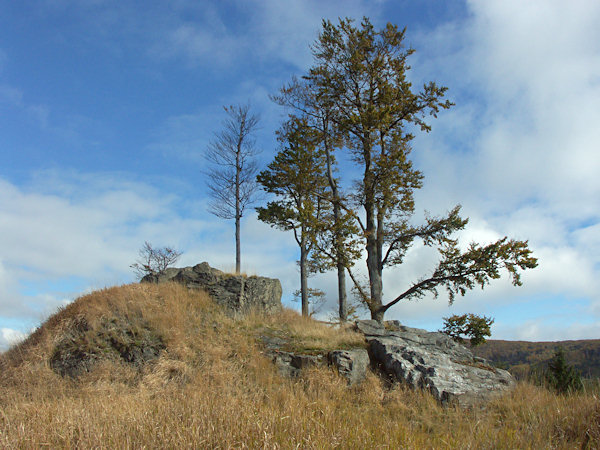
(209, 44)
(9, 337)
(68, 232)
(88, 227)
(519, 150)
(286, 29)
(538, 330)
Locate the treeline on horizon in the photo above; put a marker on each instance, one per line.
(527, 360)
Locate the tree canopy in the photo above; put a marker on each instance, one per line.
(358, 96)
(296, 177)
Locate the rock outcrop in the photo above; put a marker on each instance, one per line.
(291, 364)
(82, 346)
(433, 361)
(350, 364)
(238, 293)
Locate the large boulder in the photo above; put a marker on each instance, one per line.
(435, 362)
(238, 293)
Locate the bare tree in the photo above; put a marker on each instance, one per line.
(154, 261)
(232, 177)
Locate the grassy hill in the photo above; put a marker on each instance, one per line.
(158, 366)
(523, 357)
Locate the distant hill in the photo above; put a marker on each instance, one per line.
(522, 357)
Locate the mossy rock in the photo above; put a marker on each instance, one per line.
(117, 338)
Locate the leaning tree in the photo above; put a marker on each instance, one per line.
(360, 76)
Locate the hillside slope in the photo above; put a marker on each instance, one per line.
(521, 357)
(158, 366)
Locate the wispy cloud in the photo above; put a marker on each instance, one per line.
(14, 98)
(271, 30)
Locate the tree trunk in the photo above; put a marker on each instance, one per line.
(303, 277)
(378, 315)
(342, 292)
(238, 214)
(375, 280)
(373, 254)
(341, 269)
(238, 252)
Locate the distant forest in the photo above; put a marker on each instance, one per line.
(522, 357)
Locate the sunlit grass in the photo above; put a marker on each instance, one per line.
(213, 388)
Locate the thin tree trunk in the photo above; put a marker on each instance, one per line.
(303, 277)
(238, 252)
(341, 269)
(238, 215)
(373, 255)
(342, 292)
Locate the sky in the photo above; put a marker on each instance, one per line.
(107, 107)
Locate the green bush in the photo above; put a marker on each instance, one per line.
(469, 325)
(562, 377)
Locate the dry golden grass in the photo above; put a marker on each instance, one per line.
(301, 333)
(213, 388)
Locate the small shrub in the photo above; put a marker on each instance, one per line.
(562, 377)
(154, 261)
(470, 325)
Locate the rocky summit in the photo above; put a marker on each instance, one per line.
(238, 293)
(433, 361)
(418, 358)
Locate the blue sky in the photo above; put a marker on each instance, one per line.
(106, 109)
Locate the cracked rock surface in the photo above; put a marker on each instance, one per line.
(435, 362)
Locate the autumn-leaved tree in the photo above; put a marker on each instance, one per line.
(337, 248)
(233, 168)
(360, 76)
(296, 178)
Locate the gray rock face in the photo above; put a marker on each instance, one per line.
(435, 362)
(351, 364)
(291, 364)
(238, 293)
